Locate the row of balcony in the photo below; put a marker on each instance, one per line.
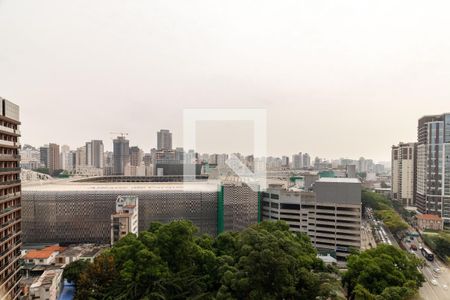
(9, 156)
(9, 130)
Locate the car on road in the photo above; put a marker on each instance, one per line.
(445, 287)
(434, 282)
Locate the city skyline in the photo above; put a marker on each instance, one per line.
(335, 78)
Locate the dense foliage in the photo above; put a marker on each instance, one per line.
(382, 273)
(439, 242)
(171, 261)
(384, 211)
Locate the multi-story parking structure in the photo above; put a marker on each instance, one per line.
(330, 214)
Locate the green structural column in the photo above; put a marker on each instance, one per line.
(220, 210)
(259, 206)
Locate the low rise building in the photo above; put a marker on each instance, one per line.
(429, 221)
(45, 256)
(48, 286)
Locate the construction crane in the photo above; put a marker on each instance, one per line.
(121, 134)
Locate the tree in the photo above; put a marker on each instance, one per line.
(385, 272)
(172, 261)
(73, 271)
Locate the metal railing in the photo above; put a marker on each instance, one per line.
(9, 169)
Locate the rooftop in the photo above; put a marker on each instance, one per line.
(338, 180)
(43, 253)
(75, 186)
(429, 217)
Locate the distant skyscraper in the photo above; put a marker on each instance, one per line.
(44, 155)
(121, 155)
(285, 162)
(403, 167)
(64, 157)
(11, 209)
(164, 137)
(306, 160)
(136, 156)
(297, 161)
(94, 154)
(54, 161)
(433, 166)
(80, 157)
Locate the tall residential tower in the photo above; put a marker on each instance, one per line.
(433, 165)
(10, 201)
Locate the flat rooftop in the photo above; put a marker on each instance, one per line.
(74, 186)
(339, 180)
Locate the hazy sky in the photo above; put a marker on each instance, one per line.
(338, 78)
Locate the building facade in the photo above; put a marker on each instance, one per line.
(121, 155)
(125, 219)
(164, 140)
(10, 201)
(54, 160)
(330, 214)
(403, 173)
(80, 212)
(433, 166)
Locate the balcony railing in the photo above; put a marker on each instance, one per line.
(9, 156)
(9, 196)
(10, 182)
(9, 170)
(6, 129)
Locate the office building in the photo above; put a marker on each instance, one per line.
(433, 166)
(44, 156)
(164, 140)
(80, 211)
(403, 170)
(54, 161)
(330, 214)
(94, 154)
(10, 201)
(125, 219)
(121, 155)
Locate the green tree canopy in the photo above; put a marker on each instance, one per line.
(172, 261)
(382, 273)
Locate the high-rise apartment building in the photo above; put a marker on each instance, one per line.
(94, 154)
(306, 160)
(10, 201)
(54, 161)
(297, 161)
(136, 156)
(433, 166)
(121, 155)
(403, 169)
(164, 138)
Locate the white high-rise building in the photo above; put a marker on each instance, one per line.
(403, 157)
(297, 161)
